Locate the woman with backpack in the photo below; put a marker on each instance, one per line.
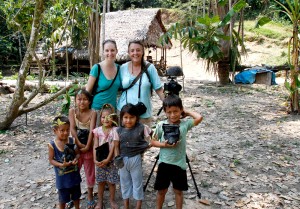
(138, 79)
(104, 80)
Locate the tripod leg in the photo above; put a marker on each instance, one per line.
(188, 162)
(149, 177)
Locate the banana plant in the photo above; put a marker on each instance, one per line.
(292, 11)
(206, 36)
(66, 103)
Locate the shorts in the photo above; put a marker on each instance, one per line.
(168, 173)
(67, 194)
(107, 174)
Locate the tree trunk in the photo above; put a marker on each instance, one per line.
(103, 27)
(108, 6)
(295, 71)
(53, 59)
(223, 72)
(94, 34)
(12, 111)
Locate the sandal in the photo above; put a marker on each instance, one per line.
(70, 204)
(91, 204)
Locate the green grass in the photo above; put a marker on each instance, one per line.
(2, 151)
(236, 162)
(272, 30)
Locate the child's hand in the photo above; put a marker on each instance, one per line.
(66, 164)
(75, 161)
(169, 145)
(103, 163)
(80, 145)
(84, 149)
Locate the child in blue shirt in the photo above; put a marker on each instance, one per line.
(172, 157)
(67, 173)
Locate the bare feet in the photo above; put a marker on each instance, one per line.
(113, 205)
(99, 205)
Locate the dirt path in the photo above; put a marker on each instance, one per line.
(245, 153)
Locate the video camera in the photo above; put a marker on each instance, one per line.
(172, 86)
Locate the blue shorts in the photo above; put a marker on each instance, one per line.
(131, 178)
(67, 194)
(167, 173)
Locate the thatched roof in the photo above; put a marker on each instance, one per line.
(81, 54)
(139, 24)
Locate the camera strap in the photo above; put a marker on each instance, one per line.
(139, 76)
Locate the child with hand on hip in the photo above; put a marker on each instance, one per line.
(64, 155)
(172, 156)
(106, 171)
(82, 122)
(130, 143)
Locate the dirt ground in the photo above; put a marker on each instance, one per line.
(245, 153)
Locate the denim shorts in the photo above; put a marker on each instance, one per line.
(67, 194)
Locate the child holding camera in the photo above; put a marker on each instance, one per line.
(64, 156)
(170, 137)
(82, 122)
(131, 140)
(106, 171)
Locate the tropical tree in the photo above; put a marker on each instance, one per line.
(19, 103)
(292, 10)
(94, 34)
(211, 38)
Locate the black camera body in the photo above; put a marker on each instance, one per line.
(83, 135)
(171, 133)
(69, 152)
(172, 86)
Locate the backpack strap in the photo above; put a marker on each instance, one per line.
(97, 92)
(148, 75)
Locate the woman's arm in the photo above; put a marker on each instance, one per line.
(90, 84)
(160, 93)
(73, 128)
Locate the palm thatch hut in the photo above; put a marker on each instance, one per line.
(139, 24)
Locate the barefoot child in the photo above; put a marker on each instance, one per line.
(82, 120)
(106, 171)
(130, 142)
(172, 156)
(67, 173)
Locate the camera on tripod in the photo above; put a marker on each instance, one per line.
(172, 86)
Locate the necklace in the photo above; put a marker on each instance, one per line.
(132, 69)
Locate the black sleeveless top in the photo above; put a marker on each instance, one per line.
(132, 141)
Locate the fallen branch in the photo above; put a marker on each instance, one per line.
(32, 85)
